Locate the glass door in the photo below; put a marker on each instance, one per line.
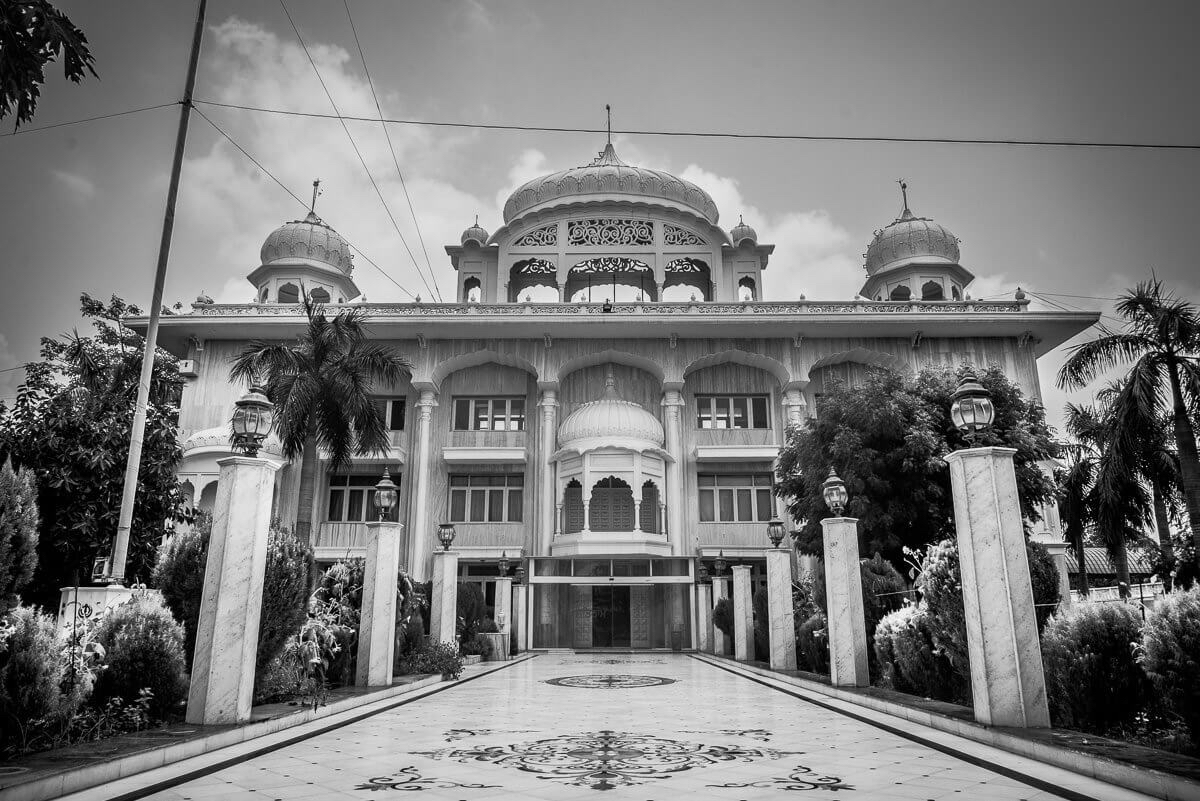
(610, 617)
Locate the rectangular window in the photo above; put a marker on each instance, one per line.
(352, 499)
(487, 499)
(735, 497)
(489, 414)
(392, 411)
(732, 411)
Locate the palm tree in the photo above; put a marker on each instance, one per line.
(1161, 338)
(321, 386)
(1075, 503)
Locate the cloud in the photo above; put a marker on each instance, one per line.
(75, 184)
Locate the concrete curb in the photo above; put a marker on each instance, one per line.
(1131, 777)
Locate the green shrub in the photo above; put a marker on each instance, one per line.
(143, 649)
(18, 534)
(1171, 654)
(410, 635)
(179, 576)
(488, 626)
(1044, 578)
(906, 656)
(471, 610)
(812, 644)
(282, 679)
(37, 697)
(1093, 680)
(760, 604)
(940, 585)
(439, 658)
(723, 617)
(286, 583)
(883, 590)
(478, 645)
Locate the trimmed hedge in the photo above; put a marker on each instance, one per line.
(143, 649)
(1171, 654)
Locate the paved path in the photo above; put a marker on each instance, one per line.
(633, 726)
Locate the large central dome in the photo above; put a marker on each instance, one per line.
(610, 421)
(608, 175)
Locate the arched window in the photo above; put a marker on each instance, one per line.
(573, 507)
(319, 295)
(686, 280)
(901, 292)
(611, 507)
(472, 290)
(746, 289)
(954, 293)
(649, 512)
(289, 293)
(533, 281)
(208, 498)
(932, 290)
(262, 297)
(610, 278)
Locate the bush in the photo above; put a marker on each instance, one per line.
(471, 610)
(1044, 577)
(723, 617)
(18, 534)
(438, 658)
(883, 590)
(1093, 680)
(478, 645)
(940, 584)
(1171, 654)
(488, 626)
(143, 649)
(762, 625)
(812, 644)
(906, 655)
(179, 576)
(286, 583)
(282, 679)
(34, 704)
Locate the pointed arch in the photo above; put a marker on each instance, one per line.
(765, 363)
(476, 358)
(614, 356)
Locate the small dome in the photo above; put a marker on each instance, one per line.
(611, 420)
(309, 240)
(217, 440)
(910, 239)
(608, 175)
(203, 300)
(742, 231)
(475, 233)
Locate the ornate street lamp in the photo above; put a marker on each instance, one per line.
(719, 564)
(446, 535)
(971, 406)
(503, 564)
(519, 573)
(702, 573)
(775, 531)
(834, 492)
(385, 495)
(251, 420)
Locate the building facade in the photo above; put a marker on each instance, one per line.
(605, 398)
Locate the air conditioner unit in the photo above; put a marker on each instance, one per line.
(187, 368)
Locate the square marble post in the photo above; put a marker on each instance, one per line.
(743, 615)
(520, 612)
(443, 606)
(377, 629)
(720, 640)
(1007, 683)
(704, 626)
(222, 680)
(843, 599)
(504, 612)
(782, 624)
(1058, 555)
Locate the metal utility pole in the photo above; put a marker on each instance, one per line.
(137, 431)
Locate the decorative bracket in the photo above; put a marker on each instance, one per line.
(421, 342)
(916, 340)
(196, 343)
(674, 340)
(549, 342)
(1026, 339)
(797, 340)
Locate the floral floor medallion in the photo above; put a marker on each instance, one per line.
(610, 681)
(410, 780)
(800, 778)
(606, 760)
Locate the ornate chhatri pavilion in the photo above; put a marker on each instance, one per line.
(607, 395)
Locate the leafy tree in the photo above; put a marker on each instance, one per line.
(32, 34)
(1161, 339)
(321, 386)
(887, 440)
(70, 427)
(1075, 502)
(18, 534)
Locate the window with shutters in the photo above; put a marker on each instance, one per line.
(496, 498)
(735, 497)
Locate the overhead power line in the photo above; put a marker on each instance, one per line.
(127, 112)
(722, 134)
(297, 198)
(338, 115)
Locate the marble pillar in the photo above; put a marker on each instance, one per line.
(743, 615)
(548, 436)
(673, 428)
(222, 680)
(504, 612)
(419, 536)
(1007, 683)
(443, 605)
(782, 624)
(844, 600)
(1058, 555)
(520, 620)
(794, 406)
(704, 626)
(377, 629)
(721, 643)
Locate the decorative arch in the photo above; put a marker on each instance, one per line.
(932, 290)
(615, 278)
(472, 290)
(862, 356)
(208, 497)
(476, 358)
(765, 363)
(319, 295)
(901, 292)
(616, 357)
(747, 289)
(534, 280)
(611, 506)
(289, 293)
(687, 277)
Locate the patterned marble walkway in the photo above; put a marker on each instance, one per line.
(637, 726)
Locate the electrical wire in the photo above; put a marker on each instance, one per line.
(724, 134)
(20, 131)
(357, 152)
(387, 135)
(297, 198)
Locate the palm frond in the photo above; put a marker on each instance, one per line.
(1090, 359)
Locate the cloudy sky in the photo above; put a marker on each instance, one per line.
(82, 205)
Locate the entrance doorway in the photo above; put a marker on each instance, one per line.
(610, 617)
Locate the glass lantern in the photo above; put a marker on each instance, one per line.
(971, 406)
(251, 420)
(385, 495)
(503, 564)
(834, 492)
(719, 564)
(445, 535)
(775, 531)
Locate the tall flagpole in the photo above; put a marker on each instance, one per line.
(137, 431)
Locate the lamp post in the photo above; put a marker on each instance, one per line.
(843, 589)
(721, 642)
(1008, 686)
(376, 637)
(385, 495)
(251, 421)
(503, 564)
(781, 616)
(834, 493)
(519, 574)
(719, 564)
(775, 531)
(444, 595)
(445, 535)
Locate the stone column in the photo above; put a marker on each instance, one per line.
(720, 641)
(673, 407)
(377, 630)
(520, 615)
(1058, 554)
(1007, 683)
(704, 626)
(548, 437)
(743, 615)
(782, 626)
(222, 682)
(443, 605)
(504, 610)
(419, 535)
(793, 406)
(844, 600)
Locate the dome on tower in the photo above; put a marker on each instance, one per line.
(608, 175)
(742, 231)
(475, 233)
(610, 421)
(911, 239)
(309, 240)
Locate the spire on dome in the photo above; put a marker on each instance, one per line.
(608, 112)
(312, 208)
(905, 214)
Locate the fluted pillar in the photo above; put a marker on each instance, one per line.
(419, 534)
(673, 412)
(548, 404)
